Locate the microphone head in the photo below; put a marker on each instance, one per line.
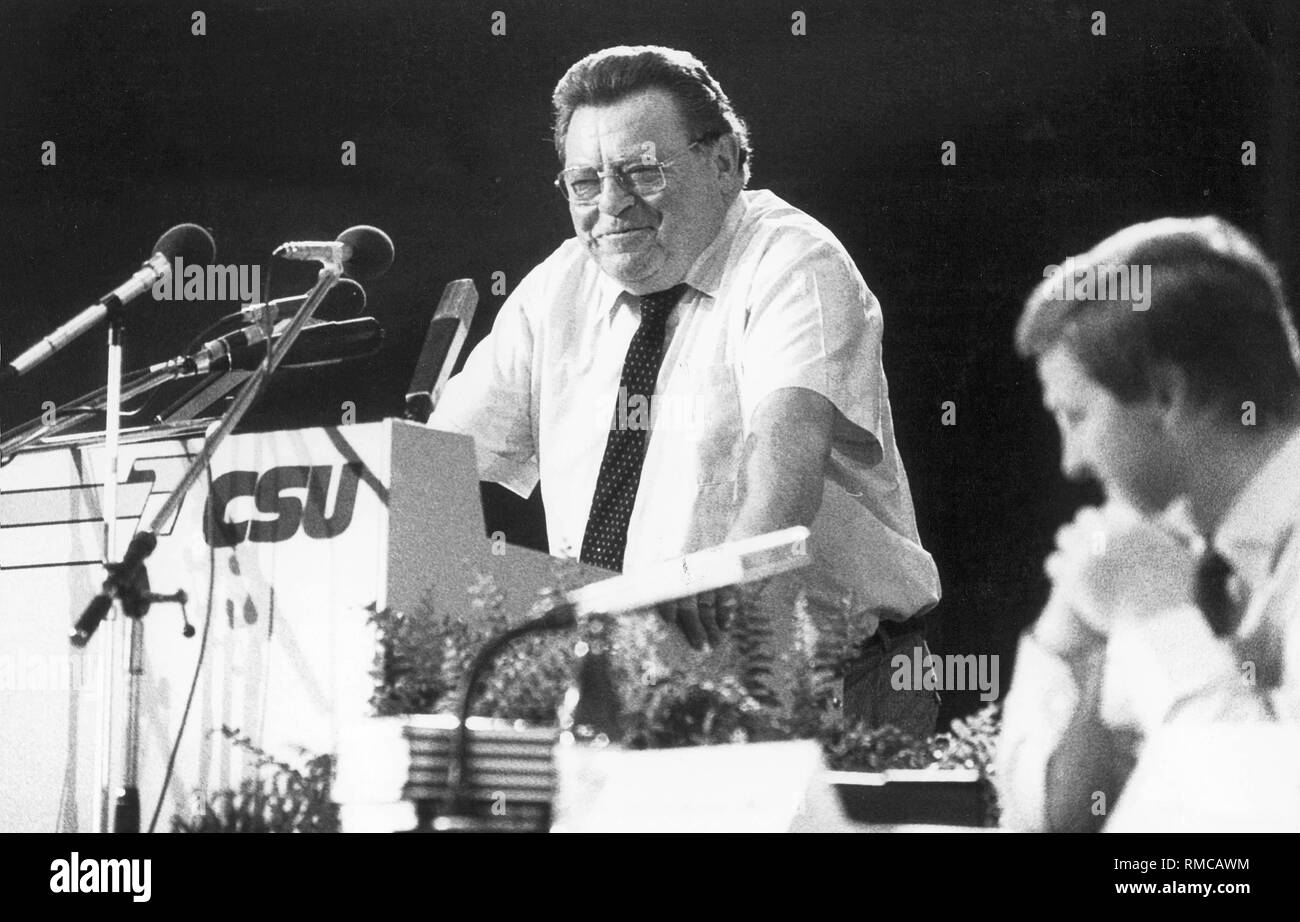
(190, 242)
(372, 251)
(345, 299)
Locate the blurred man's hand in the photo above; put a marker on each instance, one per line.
(1111, 563)
(704, 618)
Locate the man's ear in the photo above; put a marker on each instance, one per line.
(725, 158)
(1172, 394)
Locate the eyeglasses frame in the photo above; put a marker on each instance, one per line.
(615, 170)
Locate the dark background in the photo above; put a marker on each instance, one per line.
(1062, 137)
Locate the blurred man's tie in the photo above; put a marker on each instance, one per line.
(1212, 595)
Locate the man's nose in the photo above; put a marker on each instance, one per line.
(1073, 465)
(614, 199)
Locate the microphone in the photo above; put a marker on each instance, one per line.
(318, 344)
(189, 242)
(363, 252)
(442, 344)
(345, 300)
(126, 580)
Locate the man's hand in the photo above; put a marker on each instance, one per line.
(1064, 631)
(704, 618)
(1111, 563)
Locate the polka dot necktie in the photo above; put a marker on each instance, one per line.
(605, 539)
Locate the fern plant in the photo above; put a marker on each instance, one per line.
(279, 797)
(424, 654)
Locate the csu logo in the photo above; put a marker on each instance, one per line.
(279, 493)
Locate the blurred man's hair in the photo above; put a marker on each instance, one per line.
(1215, 309)
(611, 75)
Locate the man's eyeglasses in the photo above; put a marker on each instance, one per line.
(581, 185)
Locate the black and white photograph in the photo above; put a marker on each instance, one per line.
(736, 417)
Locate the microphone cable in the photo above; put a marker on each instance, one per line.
(207, 627)
(194, 681)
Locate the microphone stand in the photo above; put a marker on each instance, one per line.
(112, 401)
(112, 449)
(128, 581)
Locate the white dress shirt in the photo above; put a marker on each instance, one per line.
(1167, 669)
(1172, 669)
(774, 302)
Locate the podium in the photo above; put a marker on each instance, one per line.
(291, 540)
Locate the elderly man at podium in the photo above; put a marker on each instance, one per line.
(1169, 358)
(701, 363)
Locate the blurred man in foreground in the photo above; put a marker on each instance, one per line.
(1178, 601)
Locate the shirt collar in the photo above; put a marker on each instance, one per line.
(705, 274)
(1258, 524)
(608, 290)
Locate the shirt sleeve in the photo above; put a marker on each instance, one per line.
(1168, 667)
(813, 323)
(491, 399)
(1035, 716)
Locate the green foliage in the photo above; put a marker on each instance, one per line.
(970, 743)
(676, 713)
(424, 656)
(279, 798)
(754, 640)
